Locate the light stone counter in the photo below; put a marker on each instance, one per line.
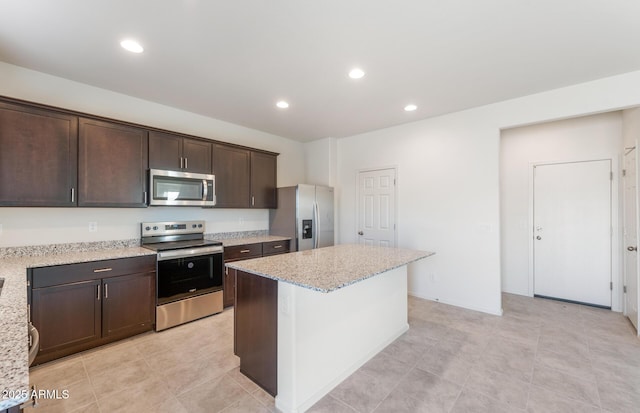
(328, 269)
(14, 369)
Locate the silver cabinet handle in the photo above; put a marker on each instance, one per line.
(226, 270)
(103, 269)
(181, 162)
(98, 292)
(73, 195)
(244, 251)
(145, 197)
(253, 200)
(186, 163)
(277, 246)
(106, 290)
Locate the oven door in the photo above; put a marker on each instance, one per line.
(175, 188)
(187, 275)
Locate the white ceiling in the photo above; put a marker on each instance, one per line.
(232, 60)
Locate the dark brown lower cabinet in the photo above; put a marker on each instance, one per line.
(128, 304)
(245, 252)
(229, 283)
(76, 307)
(256, 329)
(66, 316)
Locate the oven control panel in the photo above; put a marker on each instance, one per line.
(152, 229)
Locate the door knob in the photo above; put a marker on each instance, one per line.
(360, 233)
(538, 237)
(632, 249)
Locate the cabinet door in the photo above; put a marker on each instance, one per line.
(263, 180)
(38, 157)
(112, 165)
(197, 156)
(66, 316)
(229, 296)
(231, 166)
(165, 151)
(128, 304)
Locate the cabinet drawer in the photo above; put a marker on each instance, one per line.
(275, 247)
(243, 251)
(93, 270)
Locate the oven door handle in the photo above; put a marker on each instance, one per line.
(188, 252)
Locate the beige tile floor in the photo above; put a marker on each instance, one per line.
(541, 356)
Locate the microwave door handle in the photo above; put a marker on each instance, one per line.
(205, 190)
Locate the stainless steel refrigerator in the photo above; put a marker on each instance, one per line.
(304, 213)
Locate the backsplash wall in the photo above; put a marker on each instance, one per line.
(41, 226)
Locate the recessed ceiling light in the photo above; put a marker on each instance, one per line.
(132, 46)
(356, 73)
(410, 108)
(282, 104)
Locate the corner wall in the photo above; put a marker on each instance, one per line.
(448, 184)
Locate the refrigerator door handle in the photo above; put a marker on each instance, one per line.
(316, 218)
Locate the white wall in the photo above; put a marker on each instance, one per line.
(31, 226)
(631, 127)
(582, 138)
(448, 184)
(321, 162)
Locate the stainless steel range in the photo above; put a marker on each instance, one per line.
(189, 271)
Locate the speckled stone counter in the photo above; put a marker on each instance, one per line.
(328, 269)
(14, 368)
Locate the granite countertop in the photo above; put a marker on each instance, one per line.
(231, 242)
(331, 268)
(14, 368)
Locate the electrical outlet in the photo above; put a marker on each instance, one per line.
(93, 226)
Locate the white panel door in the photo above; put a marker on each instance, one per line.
(631, 237)
(572, 231)
(376, 207)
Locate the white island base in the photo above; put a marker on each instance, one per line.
(325, 337)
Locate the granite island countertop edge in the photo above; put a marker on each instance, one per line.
(260, 267)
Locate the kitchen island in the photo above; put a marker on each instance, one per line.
(307, 320)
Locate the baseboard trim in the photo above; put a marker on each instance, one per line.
(498, 312)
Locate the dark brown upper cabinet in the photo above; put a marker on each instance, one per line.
(59, 158)
(263, 180)
(244, 178)
(112, 164)
(38, 157)
(177, 153)
(232, 168)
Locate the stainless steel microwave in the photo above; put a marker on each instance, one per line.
(174, 188)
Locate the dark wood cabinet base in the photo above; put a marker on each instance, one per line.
(76, 307)
(256, 329)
